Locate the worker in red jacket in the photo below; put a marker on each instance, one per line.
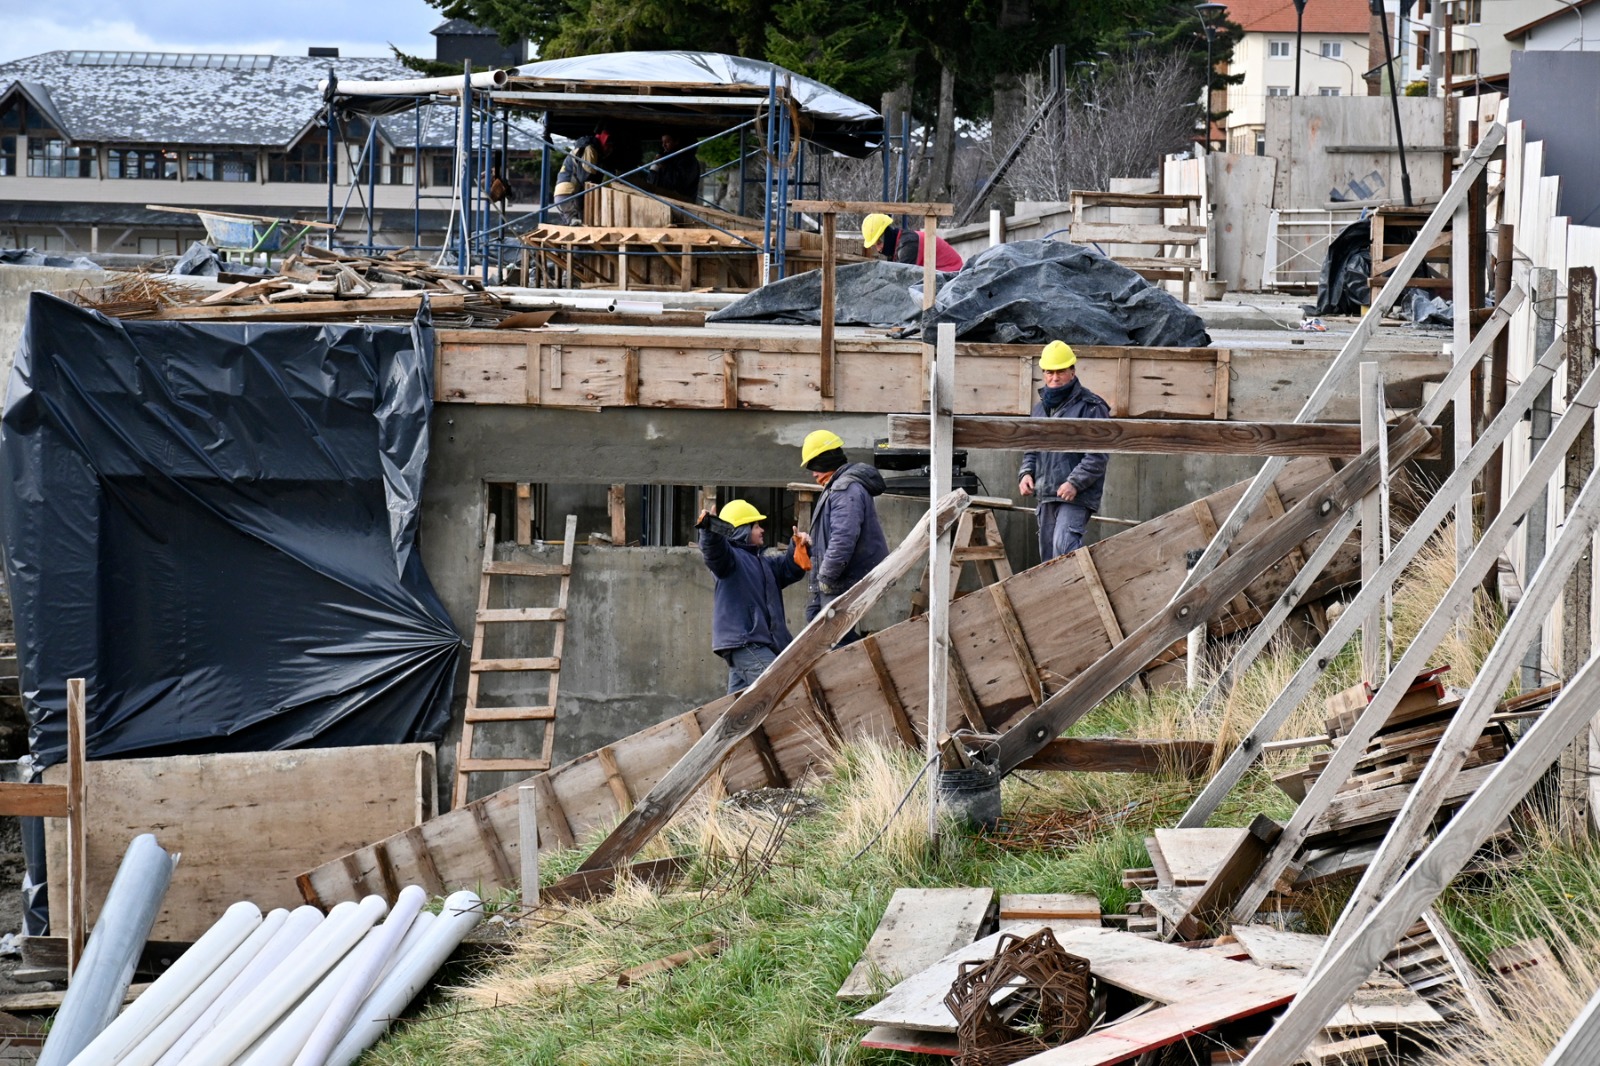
(903, 246)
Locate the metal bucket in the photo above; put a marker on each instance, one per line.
(973, 792)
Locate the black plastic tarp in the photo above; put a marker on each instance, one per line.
(875, 293)
(215, 524)
(1037, 291)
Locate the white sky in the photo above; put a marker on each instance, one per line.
(278, 27)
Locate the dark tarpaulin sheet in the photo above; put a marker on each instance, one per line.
(875, 293)
(1038, 291)
(215, 524)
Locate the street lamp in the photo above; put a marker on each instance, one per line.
(1205, 11)
(1299, 25)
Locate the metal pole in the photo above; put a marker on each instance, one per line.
(1394, 100)
(888, 142)
(333, 160)
(464, 171)
(1299, 26)
(416, 183)
(372, 177)
(766, 212)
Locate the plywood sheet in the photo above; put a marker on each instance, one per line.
(246, 824)
(919, 927)
(1193, 855)
(1381, 1001)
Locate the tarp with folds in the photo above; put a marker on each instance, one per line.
(1037, 291)
(215, 524)
(876, 293)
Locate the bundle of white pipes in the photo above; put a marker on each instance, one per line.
(288, 988)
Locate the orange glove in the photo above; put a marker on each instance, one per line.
(802, 552)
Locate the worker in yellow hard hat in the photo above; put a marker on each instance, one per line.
(880, 234)
(748, 629)
(1069, 484)
(846, 540)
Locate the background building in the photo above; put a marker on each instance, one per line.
(1333, 59)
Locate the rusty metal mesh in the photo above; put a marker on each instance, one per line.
(1031, 996)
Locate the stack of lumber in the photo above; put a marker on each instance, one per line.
(1182, 863)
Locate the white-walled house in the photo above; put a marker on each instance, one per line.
(1333, 59)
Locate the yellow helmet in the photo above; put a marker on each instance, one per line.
(1057, 355)
(817, 442)
(872, 228)
(739, 513)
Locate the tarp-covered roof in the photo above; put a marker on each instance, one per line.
(828, 116)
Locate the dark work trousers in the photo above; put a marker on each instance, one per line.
(1061, 527)
(746, 664)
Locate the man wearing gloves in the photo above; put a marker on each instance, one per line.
(1068, 483)
(747, 625)
(846, 539)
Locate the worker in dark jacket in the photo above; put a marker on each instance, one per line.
(846, 539)
(676, 175)
(878, 232)
(578, 171)
(1068, 483)
(747, 624)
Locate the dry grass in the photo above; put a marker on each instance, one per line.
(1420, 589)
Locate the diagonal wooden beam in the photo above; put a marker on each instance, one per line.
(1343, 628)
(753, 705)
(1316, 512)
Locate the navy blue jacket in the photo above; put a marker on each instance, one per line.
(846, 539)
(1085, 470)
(746, 607)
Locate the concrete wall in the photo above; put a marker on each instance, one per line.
(16, 283)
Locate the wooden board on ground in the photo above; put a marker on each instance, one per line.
(1046, 906)
(24, 1002)
(917, 1002)
(1193, 855)
(919, 927)
(1381, 1001)
(844, 695)
(890, 1038)
(246, 824)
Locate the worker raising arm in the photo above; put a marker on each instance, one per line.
(747, 624)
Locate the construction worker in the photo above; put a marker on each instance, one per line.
(677, 176)
(1068, 483)
(879, 233)
(578, 171)
(846, 540)
(747, 624)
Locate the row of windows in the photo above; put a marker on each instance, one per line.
(50, 157)
(1285, 49)
(1325, 90)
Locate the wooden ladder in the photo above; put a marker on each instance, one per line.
(978, 542)
(466, 763)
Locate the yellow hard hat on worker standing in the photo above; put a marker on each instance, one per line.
(739, 513)
(1057, 355)
(872, 228)
(817, 442)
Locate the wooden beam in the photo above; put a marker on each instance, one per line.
(1115, 755)
(890, 693)
(1145, 436)
(830, 263)
(33, 801)
(316, 309)
(1021, 654)
(752, 706)
(1211, 907)
(941, 398)
(867, 207)
(617, 507)
(1312, 514)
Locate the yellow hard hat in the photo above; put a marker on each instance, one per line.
(872, 228)
(739, 513)
(1057, 355)
(817, 442)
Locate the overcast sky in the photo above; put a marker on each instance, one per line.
(275, 27)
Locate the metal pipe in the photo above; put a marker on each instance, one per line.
(489, 79)
(95, 995)
(174, 987)
(372, 182)
(459, 916)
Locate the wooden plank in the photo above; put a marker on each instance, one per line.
(918, 928)
(890, 1038)
(77, 827)
(1194, 855)
(591, 884)
(1117, 755)
(630, 376)
(1197, 605)
(1143, 436)
(614, 779)
(313, 310)
(1380, 1002)
(245, 823)
(1042, 906)
(829, 285)
(1135, 233)
(27, 1002)
(1097, 593)
(617, 507)
(730, 380)
(33, 801)
(1249, 995)
(890, 693)
(867, 207)
(754, 704)
(493, 846)
(1021, 654)
(550, 803)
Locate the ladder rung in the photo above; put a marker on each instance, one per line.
(489, 766)
(527, 569)
(523, 614)
(485, 666)
(968, 554)
(510, 714)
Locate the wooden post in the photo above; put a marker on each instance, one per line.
(617, 506)
(1371, 557)
(830, 261)
(1535, 530)
(528, 844)
(77, 826)
(1461, 301)
(941, 393)
(524, 519)
(1577, 638)
(997, 227)
(1495, 394)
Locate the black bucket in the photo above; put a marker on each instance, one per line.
(973, 792)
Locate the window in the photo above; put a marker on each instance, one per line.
(51, 157)
(1328, 90)
(151, 164)
(443, 174)
(306, 162)
(10, 127)
(1464, 63)
(1277, 90)
(158, 246)
(1332, 50)
(220, 166)
(1423, 55)
(398, 172)
(45, 242)
(1466, 12)
(1280, 49)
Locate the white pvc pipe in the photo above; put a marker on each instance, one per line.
(380, 950)
(299, 925)
(185, 1013)
(172, 987)
(532, 300)
(461, 914)
(451, 83)
(333, 939)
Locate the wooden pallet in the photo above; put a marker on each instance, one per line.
(1394, 228)
(1009, 648)
(482, 663)
(1178, 258)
